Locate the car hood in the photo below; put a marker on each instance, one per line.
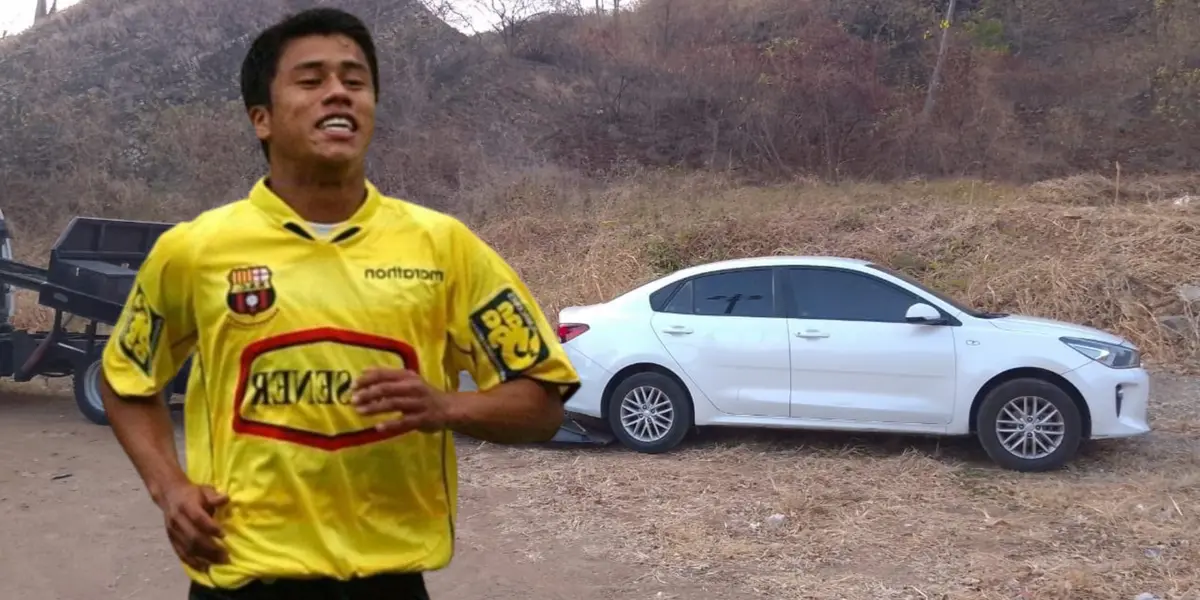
(1051, 327)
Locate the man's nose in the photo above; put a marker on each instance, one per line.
(336, 93)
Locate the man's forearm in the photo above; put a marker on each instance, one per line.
(144, 429)
(515, 412)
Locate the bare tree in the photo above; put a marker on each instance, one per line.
(567, 7)
(509, 16)
(665, 27)
(935, 79)
(448, 11)
(40, 12)
(506, 16)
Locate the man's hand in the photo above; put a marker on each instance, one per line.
(189, 510)
(383, 390)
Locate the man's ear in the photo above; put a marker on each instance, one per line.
(260, 118)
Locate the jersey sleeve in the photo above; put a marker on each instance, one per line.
(497, 330)
(156, 330)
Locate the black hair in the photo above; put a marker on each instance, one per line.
(262, 59)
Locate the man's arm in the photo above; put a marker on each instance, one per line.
(153, 337)
(143, 427)
(515, 412)
(150, 342)
(500, 336)
(142, 424)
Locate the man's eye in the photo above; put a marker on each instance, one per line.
(310, 82)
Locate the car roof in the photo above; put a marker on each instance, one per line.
(774, 261)
(742, 263)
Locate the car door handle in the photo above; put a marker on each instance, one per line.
(680, 329)
(811, 333)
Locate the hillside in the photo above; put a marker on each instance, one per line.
(603, 136)
(119, 93)
(134, 107)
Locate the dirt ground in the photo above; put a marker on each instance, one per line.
(731, 515)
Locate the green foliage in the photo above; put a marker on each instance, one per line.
(665, 256)
(1175, 91)
(987, 34)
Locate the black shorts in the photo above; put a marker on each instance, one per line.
(407, 586)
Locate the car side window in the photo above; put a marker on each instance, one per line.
(840, 295)
(681, 302)
(661, 295)
(742, 293)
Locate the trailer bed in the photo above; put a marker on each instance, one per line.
(92, 267)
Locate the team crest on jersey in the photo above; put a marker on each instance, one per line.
(251, 292)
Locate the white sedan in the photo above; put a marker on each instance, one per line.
(844, 344)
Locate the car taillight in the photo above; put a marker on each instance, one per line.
(570, 331)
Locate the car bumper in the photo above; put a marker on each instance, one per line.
(1117, 399)
(592, 379)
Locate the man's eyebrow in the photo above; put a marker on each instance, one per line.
(348, 64)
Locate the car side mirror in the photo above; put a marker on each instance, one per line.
(924, 314)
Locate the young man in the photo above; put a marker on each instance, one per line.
(329, 324)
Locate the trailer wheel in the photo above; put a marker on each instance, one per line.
(87, 393)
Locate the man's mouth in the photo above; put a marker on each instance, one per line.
(338, 123)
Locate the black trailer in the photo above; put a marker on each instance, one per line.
(91, 270)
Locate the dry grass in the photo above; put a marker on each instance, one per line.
(864, 518)
(1071, 249)
(873, 518)
(867, 518)
(1038, 250)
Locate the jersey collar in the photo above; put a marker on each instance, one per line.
(270, 203)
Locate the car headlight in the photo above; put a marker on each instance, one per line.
(1110, 355)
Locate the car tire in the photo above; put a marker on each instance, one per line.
(86, 382)
(651, 391)
(1016, 405)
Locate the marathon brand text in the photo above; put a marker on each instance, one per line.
(405, 273)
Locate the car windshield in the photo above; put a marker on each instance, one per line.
(978, 314)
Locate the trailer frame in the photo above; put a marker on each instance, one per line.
(102, 250)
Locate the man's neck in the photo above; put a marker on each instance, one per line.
(319, 198)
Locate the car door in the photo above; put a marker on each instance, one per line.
(855, 358)
(727, 332)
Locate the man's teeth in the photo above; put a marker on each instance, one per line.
(337, 123)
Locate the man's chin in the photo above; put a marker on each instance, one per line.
(337, 161)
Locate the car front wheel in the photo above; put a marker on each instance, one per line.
(1029, 425)
(650, 412)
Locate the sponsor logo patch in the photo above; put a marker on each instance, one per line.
(296, 387)
(141, 332)
(506, 330)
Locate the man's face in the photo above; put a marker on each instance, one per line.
(323, 103)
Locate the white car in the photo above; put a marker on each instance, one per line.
(845, 344)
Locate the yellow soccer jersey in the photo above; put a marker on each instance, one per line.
(282, 320)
